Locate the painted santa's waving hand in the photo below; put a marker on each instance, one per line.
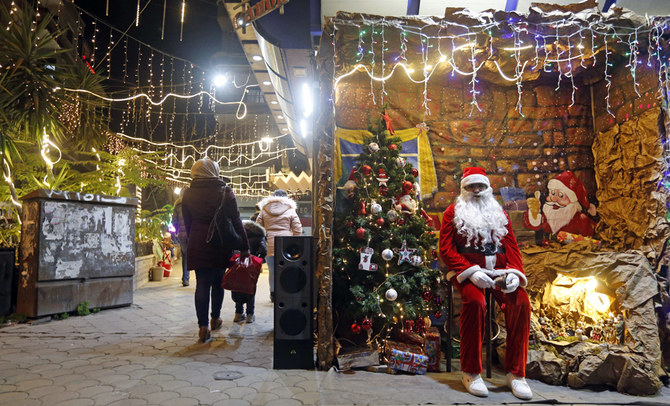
(479, 248)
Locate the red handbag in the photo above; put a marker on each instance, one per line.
(242, 275)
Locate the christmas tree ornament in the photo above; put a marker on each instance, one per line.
(401, 221)
(350, 185)
(380, 222)
(425, 216)
(393, 147)
(427, 322)
(400, 162)
(366, 170)
(375, 208)
(438, 300)
(388, 121)
(409, 325)
(350, 223)
(382, 178)
(365, 264)
(391, 295)
(355, 328)
(416, 260)
(383, 190)
(392, 215)
(438, 314)
(415, 172)
(417, 189)
(373, 147)
(404, 253)
(423, 128)
(427, 295)
(360, 233)
(366, 324)
(407, 204)
(361, 208)
(387, 254)
(407, 186)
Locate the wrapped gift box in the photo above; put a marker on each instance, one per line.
(408, 362)
(397, 345)
(432, 349)
(358, 358)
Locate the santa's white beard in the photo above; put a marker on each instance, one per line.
(480, 218)
(559, 218)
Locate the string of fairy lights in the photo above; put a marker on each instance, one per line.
(557, 44)
(533, 49)
(171, 95)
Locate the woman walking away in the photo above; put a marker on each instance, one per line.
(258, 247)
(199, 204)
(279, 218)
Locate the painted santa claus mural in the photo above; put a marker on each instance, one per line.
(563, 209)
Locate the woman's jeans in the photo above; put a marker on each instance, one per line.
(208, 282)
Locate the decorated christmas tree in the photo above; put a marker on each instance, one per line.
(383, 248)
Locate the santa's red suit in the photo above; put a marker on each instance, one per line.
(462, 262)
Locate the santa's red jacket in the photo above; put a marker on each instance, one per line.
(464, 264)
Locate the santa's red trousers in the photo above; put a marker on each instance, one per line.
(515, 307)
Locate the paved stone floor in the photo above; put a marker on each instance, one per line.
(147, 354)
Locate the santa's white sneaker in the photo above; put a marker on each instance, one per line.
(519, 386)
(475, 384)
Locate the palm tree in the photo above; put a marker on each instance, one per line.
(34, 108)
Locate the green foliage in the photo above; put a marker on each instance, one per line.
(61, 316)
(82, 309)
(16, 318)
(153, 224)
(360, 294)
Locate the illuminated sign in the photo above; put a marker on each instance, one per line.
(256, 11)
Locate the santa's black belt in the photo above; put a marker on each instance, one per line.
(487, 249)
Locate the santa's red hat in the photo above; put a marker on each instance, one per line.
(352, 174)
(571, 186)
(474, 175)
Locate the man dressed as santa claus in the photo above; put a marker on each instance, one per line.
(478, 246)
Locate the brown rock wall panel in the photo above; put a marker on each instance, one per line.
(531, 182)
(466, 131)
(579, 136)
(351, 118)
(547, 124)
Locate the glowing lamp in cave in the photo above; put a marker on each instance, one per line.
(579, 294)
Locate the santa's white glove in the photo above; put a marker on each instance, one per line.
(512, 282)
(482, 280)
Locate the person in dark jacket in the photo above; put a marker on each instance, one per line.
(258, 247)
(199, 204)
(182, 238)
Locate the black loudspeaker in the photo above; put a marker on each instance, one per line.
(293, 332)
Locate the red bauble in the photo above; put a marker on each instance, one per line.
(401, 221)
(415, 172)
(438, 314)
(427, 295)
(360, 233)
(355, 328)
(350, 223)
(366, 324)
(366, 170)
(393, 147)
(380, 222)
(383, 190)
(407, 186)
